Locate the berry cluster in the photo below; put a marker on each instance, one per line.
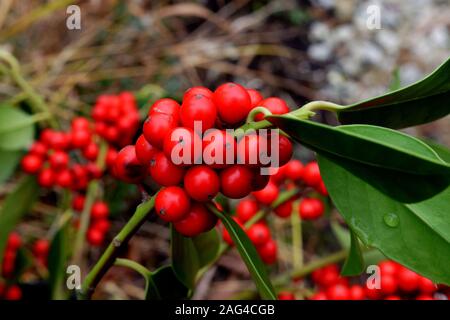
(186, 149)
(99, 223)
(116, 118)
(9, 258)
(396, 283)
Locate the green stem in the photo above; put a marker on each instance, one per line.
(318, 105)
(297, 241)
(112, 251)
(252, 114)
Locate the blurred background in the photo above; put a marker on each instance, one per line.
(297, 50)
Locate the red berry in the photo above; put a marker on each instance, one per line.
(285, 149)
(322, 189)
(64, 178)
(41, 248)
(286, 295)
(172, 204)
(388, 267)
(102, 225)
(183, 146)
(246, 209)
(255, 97)
(81, 138)
(90, 152)
(260, 180)
(373, 293)
(164, 172)
(388, 284)
(46, 178)
(233, 103)
(426, 285)
(13, 293)
(338, 292)
(284, 210)
(39, 149)
(293, 170)
(319, 296)
(197, 220)
(112, 134)
(357, 293)
(95, 237)
(111, 156)
(127, 167)
(99, 210)
(219, 148)
(252, 150)
(268, 251)
(166, 106)
(259, 233)
(311, 174)
(197, 90)
(14, 241)
(80, 123)
(236, 181)
(408, 280)
(311, 208)
(274, 105)
(31, 163)
(156, 128)
(144, 150)
(198, 109)
(202, 183)
(267, 195)
(59, 140)
(78, 202)
(59, 160)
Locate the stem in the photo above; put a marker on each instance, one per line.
(252, 114)
(318, 105)
(297, 241)
(112, 251)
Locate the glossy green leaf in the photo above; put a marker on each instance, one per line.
(15, 206)
(354, 264)
(250, 257)
(443, 152)
(8, 163)
(403, 215)
(57, 263)
(421, 102)
(166, 285)
(372, 145)
(16, 129)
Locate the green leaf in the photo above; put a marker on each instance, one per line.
(16, 129)
(443, 152)
(354, 264)
(169, 287)
(189, 255)
(421, 102)
(403, 215)
(372, 145)
(16, 205)
(57, 263)
(8, 163)
(250, 257)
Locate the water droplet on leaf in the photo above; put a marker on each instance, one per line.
(391, 220)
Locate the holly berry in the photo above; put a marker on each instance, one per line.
(59, 160)
(99, 210)
(408, 280)
(156, 128)
(166, 106)
(81, 138)
(311, 208)
(251, 150)
(144, 150)
(14, 241)
(31, 163)
(41, 248)
(426, 285)
(338, 292)
(268, 251)
(201, 183)
(182, 146)
(259, 233)
(127, 167)
(357, 293)
(90, 152)
(172, 204)
(197, 90)
(267, 195)
(255, 97)
(78, 202)
(236, 181)
(311, 174)
(233, 103)
(39, 149)
(46, 178)
(64, 178)
(198, 109)
(13, 293)
(284, 210)
(286, 295)
(219, 148)
(198, 220)
(246, 209)
(388, 284)
(285, 149)
(164, 172)
(293, 170)
(95, 237)
(274, 105)
(80, 123)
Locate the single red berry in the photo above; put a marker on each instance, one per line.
(14, 241)
(219, 148)
(286, 295)
(284, 210)
(172, 204)
(252, 150)
(78, 202)
(111, 156)
(326, 276)
(285, 149)
(357, 293)
(81, 138)
(268, 251)
(274, 105)
(311, 174)
(164, 172)
(90, 152)
(60, 140)
(198, 110)
(166, 106)
(95, 237)
(236, 181)
(102, 225)
(267, 195)
(80, 123)
(259, 233)
(41, 248)
(46, 136)
(99, 210)
(338, 292)
(183, 146)
(198, 220)
(388, 267)
(201, 183)
(311, 208)
(156, 128)
(197, 90)
(144, 150)
(39, 149)
(246, 209)
(293, 170)
(64, 178)
(46, 178)
(112, 133)
(408, 280)
(31, 163)
(426, 285)
(388, 284)
(13, 293)
(127, 167)
(59, 160)
(233, 103)
(255, 97)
